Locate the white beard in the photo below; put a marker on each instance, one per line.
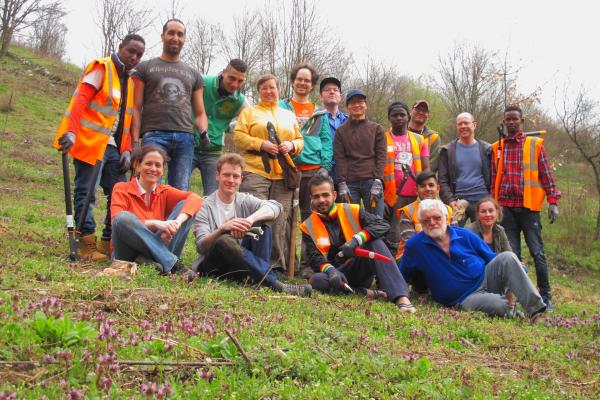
(437, 233)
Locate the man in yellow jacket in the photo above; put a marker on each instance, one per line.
(96, 127)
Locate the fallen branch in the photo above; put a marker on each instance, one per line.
(237, 344)
(202, 363)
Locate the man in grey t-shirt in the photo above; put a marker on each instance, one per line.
(166, 92)
(464, 167)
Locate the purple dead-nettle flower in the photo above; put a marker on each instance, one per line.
(49, 358)
(105, 383)
(169, 346)
(8, 395)
(64, 356)
(145, 325)
(416, 332)
(51, 306)
(410, 357)
(99, 315)
(84, 314)
(226, 318)
(188, 327)
(279, 318)
(204, 374)
(75, 394)
(208, 328)
(572, 355)
(15, 296)
(133, 339)
(85, 357)
(164, 390)
(106, 330)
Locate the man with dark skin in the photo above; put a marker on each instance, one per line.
(419, 115)
(407, 156)
(520, 179)
(89, 133)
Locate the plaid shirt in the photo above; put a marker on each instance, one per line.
(511, 182)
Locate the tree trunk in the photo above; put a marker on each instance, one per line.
(597, 230)
(6, 38)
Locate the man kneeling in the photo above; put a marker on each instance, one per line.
(460, 269)
(229, 237)
(332, 233)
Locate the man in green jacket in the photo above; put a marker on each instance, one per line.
(223, 101)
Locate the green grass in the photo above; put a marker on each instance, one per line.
(337, 347)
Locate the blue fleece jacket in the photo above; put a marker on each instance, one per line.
(450, 279)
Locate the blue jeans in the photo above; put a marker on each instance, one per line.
(517, 219)
(109, 175)
(207, 164)
(131, 239)
(361, 190)
(180, 149)
(231, 260)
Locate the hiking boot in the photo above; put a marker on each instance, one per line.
(294, 290)
(87, 249)
(186, 274)
(104, 247)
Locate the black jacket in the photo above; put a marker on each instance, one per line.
(373, 224)
(447, 168)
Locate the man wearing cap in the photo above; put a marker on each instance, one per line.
(330, 91)
(304, 77)
(407, 155)
(359, 150)
(418, 118)
(464, 167)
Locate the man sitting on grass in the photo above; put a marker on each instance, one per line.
(228, 244)
(460, 270)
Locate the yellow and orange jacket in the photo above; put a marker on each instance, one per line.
(390, 194)
(100, 118)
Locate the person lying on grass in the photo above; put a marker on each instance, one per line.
(150, 219)
(231, 235)
(461, 271)
(331, 235)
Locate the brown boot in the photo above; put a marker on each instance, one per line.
(87, 249)
(104, 247)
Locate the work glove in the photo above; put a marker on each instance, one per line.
(322, 172)
(553, 213)
(343, 192)
(66, 141)
(347, 249)
(376, 189)
(204, 139)
(125, 162)
(336, 279)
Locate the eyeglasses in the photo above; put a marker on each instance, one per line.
(428, 221)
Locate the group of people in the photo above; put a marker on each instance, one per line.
(369, 197)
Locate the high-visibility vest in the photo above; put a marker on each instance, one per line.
(389, 182)
(348, 215)
(412, 211)
(431, 139)
(100, 117)
(533, 192)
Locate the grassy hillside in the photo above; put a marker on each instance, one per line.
(84, 333)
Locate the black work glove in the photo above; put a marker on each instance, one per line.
(66, 141)
(336, 279)
(347, 249)
(553, 213)
(204, 139)
(125, 162)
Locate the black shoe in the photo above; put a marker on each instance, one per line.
(187, 274)
(295, 290)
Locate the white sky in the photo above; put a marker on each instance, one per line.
(552, 41)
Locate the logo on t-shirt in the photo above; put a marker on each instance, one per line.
(171, 91)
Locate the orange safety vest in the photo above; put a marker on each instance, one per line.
(100, 117)
(431, 139)
(533, 192)
(412, 211)
(389, 182)
(348, 215)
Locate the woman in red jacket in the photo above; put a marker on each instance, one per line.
(150, 219)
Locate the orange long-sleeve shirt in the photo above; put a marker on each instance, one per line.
(126, 197)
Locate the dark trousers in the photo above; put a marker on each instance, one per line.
(108, 177)
(517, 220)
(361, 271)
(236, 261)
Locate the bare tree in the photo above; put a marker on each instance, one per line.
(244, 41)
(580, 119)
(203, 40)
(48, 35)
(19, 14)
(117, 19)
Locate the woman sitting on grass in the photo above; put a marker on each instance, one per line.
(152, 220)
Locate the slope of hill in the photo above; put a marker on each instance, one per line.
(66, 334)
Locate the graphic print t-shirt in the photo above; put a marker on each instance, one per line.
(403, 159)
(168, 88)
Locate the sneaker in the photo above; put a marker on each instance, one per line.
(549, 304)
(187, 274)
(294, 290)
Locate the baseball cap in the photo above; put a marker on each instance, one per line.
(421, 102)
(330, 79)
(355, 92)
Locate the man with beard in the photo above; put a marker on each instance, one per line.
(167, 91)
(418, 119)
(96, 126)
(332, 233)
(461, 271)
(303, 77)
(223, 102)
(520, 179)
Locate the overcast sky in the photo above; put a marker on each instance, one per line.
(551, 41)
